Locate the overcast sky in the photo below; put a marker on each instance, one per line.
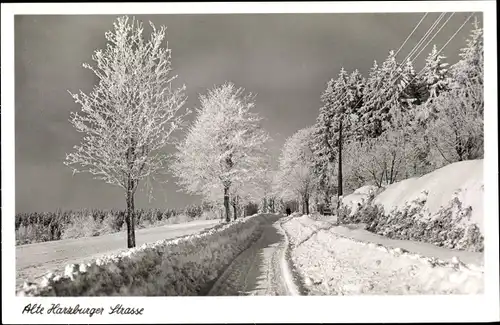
(286, 59)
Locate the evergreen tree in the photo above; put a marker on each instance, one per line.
(323, 147)
(435, 75)
(457, 129)
(470, 68)
(370, 101)
(356, 85)
(381, 96)
(410, 87)
(338, 120)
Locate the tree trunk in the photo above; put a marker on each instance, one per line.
(306, 204)
(130, 217)
(340, 189)
(226, 203)
(235, 209)
(327, 197)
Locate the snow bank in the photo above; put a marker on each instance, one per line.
(425, 249)
(333, 264)
(463, 180)
(183, 266)
(358, 197)
(444, 208)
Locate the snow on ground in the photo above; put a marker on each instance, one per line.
(466, 177)
(33, 261)
(178, 267)
(358, 196)
(358, 233)
(257, 270)
(331, 264)
(262, 269)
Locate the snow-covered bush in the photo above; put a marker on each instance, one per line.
(449, 227)
(82, 225)
(183, 266)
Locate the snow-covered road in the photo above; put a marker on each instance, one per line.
(262, 269)
(332, 264)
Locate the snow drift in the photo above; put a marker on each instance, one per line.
(180, 267)
(444, 207)
(463, 180)
(358, 197)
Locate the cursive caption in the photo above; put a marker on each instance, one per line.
(57, 309)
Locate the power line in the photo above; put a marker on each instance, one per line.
(449, 40)
(435, 34)
(422, 40)
(458, 30)
(442, 48)
(423, 48)
(423, 69)
(427, 34)
(413, 31)
(429, 31)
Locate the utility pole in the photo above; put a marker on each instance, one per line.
(339, 180)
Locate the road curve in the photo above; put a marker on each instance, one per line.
(33, 261)
(261, 269)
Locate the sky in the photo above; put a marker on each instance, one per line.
(285, 59)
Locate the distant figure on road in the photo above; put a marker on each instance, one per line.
(288, 211)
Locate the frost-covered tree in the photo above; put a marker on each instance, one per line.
(382, 96)
(324, 150)
(224, 147)
(470, 68)
(378, 161)
(371, 102)
(457, 128)
(268, 185)
(296, 177)
(435, 74)
(411, 87)
(337, 121)
(457, 133)
(129, 115)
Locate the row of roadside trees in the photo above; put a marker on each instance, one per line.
(391, 125)
(128, 119)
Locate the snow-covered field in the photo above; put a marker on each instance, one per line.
(33, 261)
(183, 266)
(343, 262)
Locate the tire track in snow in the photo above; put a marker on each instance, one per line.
(262, 269)
(285, 264)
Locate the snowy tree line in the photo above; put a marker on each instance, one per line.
(128, 119)
(390, 125)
